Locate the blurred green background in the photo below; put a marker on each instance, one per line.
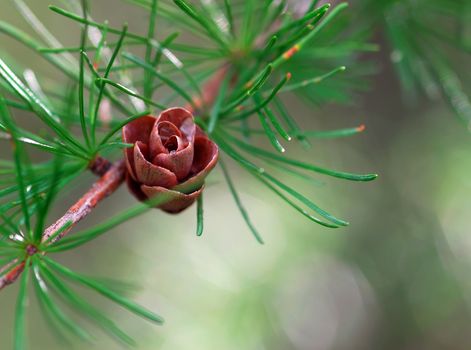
(396, 278)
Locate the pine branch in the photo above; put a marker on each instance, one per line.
(112, 176)
(245, 70)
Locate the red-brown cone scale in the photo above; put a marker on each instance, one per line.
(171, 156)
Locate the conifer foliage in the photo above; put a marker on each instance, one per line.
(230, 73)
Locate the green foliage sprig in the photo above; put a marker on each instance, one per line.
(232, 80)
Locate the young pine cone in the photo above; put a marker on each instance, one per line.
(171, 156)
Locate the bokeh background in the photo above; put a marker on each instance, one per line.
(396, 278)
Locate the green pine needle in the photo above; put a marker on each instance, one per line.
(199, 216)
(101, 289)
(239, 204)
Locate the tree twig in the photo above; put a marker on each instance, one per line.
(210, 91)
(13, 274)
(101, 189)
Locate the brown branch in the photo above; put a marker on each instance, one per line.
(210, 91)
(99, 166)
(101, 189)
(12, 275)
(110, 180)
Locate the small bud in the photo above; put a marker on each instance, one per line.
(171, 155)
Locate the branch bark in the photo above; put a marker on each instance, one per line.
(101, 189)
(12, 275)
